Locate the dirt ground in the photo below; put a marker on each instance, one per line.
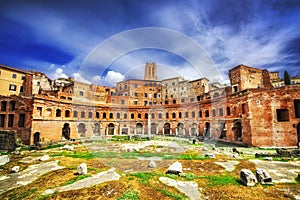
(132, 183)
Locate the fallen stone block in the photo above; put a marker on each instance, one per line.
(175, 168)
(4, 159)
(44, 158)
(68, 147)
(152, 164)
(15, 169)
(247, 177)
(210, 155)
(263, 176)
(82, 169)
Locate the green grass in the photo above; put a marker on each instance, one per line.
(221, 180)
(191, 157)
(171, 194)
(24, 194)
(144, 177)
(189, 176)
(75, 179)
(129, 195)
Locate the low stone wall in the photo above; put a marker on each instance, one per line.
(7, 140)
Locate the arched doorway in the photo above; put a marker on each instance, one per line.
(110, 129)
(237, 128)
(97, 129)
(36, 137)
(180, 129)
(193, 129)
(222, 131)
(66, 131)
(81, 130)
(298, 134)
(139, 128)
(153, 128)
(167, 128)
(207, 130)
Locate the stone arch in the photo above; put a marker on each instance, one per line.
(66, 131)
(48, 112)
(67, 113)
(180, 129)
(139, 128)
(81, 129)
(36, 137)
(193, 129)
(58, 113)
(110, 129)
(167, 128)
(97, 129)
(153, 128)
(237, 129)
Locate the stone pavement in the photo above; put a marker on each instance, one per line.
(281, 172)
(27, 176)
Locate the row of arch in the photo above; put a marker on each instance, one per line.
(83, 114)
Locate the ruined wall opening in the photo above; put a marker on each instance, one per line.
(167, 128)
(58, 113)
(139, 128)
(207, 130)
(222, 130)
(283, 115)
(180, 129)
(297, 108)
(237, 128)
(66, 131)
(110, 129)
(298, 134)
(81, 130)
(97, 129)
(193, 129)
(36, 137)
(153, 128)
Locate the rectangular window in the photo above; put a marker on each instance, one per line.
(235, 88)
(123, 102)
(12, 105)
(297, 108)
(3, 105)
(244, 108)
(81, 93)
(10, 120)
(191, 99)
(22, 120)
(146, 95)
(135, 102)
(135, 94)
(39, 111)
(135, 86)
(145, 103)
(282, 115)
(23, 78)
(12, 87)
(2, 120)
(14, 75)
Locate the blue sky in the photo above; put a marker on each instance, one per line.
(78, 38)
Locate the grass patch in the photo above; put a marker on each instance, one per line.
(214, 181)
(25, 194)
(191, 157)
(143, 177)
(77, 178)
(189, 176)
(171, 194)
(129, 195)
(75, 154)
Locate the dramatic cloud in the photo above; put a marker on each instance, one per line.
(257, 33)
(59, 73)
(112, 78)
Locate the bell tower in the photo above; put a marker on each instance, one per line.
(150, 71)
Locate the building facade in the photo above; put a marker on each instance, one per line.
(250, 111)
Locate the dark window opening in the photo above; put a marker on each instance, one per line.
(132, 115)
(111, 115)
(3, 105)
(206, 113)
(180, 115)
(11, 120)
(75, 114)
(297, 108)
(146, 115)
(221, 111)
(159, 115)
(58, 113)
(12, 105)
(2, 120)
(125, 116)
(90, 114)
(200, 113)
(193, 114)
(67, 113)
(118, 115)
(97, 115)
(173, 115)
(213, 112)
(244, 108)
(228, 111)
(153, 116)
(282, 115)
(104, 115)
(22, 120)
(82, 114)
(186, 115)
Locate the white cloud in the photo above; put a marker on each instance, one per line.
(79, 78)
(59, 73)
(113, 77)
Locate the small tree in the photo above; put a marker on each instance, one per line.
(287, 78)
